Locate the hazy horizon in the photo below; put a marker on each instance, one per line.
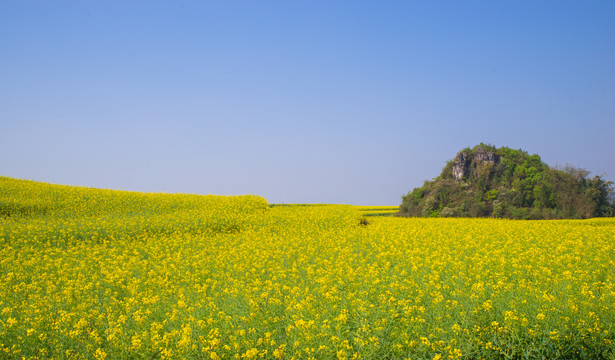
(319, 102)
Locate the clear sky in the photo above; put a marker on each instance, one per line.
(351, 102)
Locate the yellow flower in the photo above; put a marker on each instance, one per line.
(278, 354)
(100, 354)
(136, 342)
(251, 353)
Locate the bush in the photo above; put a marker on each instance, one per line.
(478, 209)
(521, 213)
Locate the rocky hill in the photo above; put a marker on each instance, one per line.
(486, 181)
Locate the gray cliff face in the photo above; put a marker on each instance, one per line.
(483, 155)
(464, 162)
(461, 166)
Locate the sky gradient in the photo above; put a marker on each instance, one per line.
(353, 102)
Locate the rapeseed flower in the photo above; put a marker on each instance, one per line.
(89, 273)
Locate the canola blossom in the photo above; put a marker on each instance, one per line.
(103, 274)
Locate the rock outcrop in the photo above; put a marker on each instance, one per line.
(464, 162)
(461, 166)
(483, 155)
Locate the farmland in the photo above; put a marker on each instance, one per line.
(103, 274)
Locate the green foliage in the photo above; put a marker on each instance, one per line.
(516, 185)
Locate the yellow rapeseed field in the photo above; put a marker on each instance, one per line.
(102, 274)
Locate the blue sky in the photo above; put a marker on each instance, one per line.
(351, 102)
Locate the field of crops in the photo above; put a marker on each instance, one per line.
(364, 210)
(101, 274)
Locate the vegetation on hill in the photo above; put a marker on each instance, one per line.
(486, 181)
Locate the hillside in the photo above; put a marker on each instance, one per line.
(60, 215)
(486, 181)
